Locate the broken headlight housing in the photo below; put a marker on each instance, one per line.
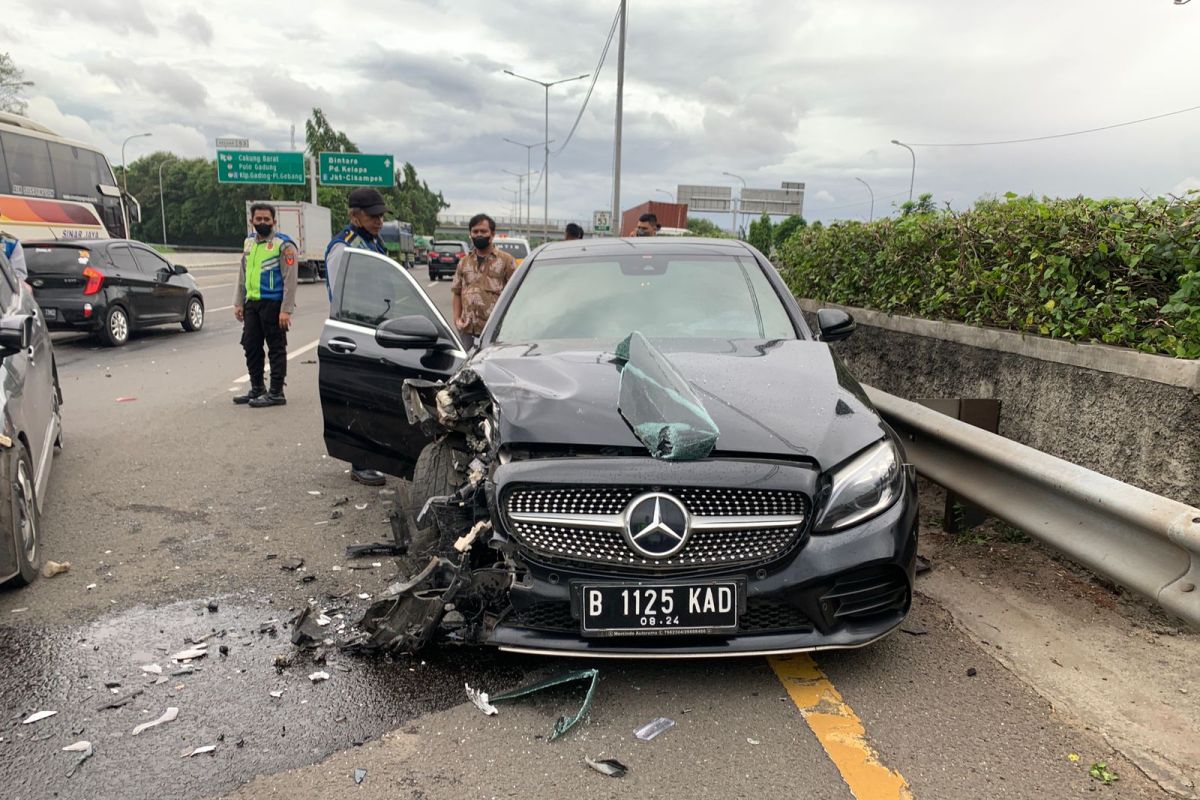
(866, 485)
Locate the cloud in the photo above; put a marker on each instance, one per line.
(119, 16)
(161, 80)
(194, 26)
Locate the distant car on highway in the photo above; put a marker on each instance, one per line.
(444, 256)
(110, 287)
(516, 247)
(30, 403)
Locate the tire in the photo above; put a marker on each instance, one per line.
(193, 319)
(115, 332)
(18, 512)
(433, 476)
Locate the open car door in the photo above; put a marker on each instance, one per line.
(382, 330)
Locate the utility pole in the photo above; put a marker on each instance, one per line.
(616, 196)
(546, 163)
(312, 179)
(528, 171)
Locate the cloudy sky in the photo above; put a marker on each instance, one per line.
(773, 91)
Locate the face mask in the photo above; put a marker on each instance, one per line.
(641, 232)
(263, 229)
(481, 242)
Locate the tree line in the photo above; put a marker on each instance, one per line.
(202, 212)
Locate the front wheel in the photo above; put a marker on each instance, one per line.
(115, 332)
(433, 476)
(19, 512)
(194, 319)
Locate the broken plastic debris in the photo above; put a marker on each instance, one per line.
(292, 564)
(653, 728)
(480, 699)
(121, 701)
(463, 544)
(38, 717)
(315, 493)
(52, 568)
(361, 506)
(360, 775)
(375, 549)
(317, 677)
(752, 741)
(277, 694)
(660, 406)
(83, 747)
(199, 751)
(607, 766)
(564, 723)
(126, 399)
(195, 652)
(90, 586)
(341, 501)
(168, 716)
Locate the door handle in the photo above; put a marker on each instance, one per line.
(340, 345)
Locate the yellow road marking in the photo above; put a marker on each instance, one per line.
(839, 730)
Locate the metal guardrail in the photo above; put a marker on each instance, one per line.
(1145, 542)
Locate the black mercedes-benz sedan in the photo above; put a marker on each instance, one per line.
(650, 454)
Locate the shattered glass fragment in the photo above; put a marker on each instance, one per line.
(38, 717)
(360, 775)
(653, 728)
(168, 716)
(658, 404)
(199, 751)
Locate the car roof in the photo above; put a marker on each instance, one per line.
(91, 244)
(665, 245)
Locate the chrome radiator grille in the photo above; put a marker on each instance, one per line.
(587, 524)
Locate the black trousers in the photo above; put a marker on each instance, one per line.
(260, 324)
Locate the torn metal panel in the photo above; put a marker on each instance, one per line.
(659, 405)
(487, 704)
(407, 619)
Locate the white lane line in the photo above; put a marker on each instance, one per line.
(432, 284)
(213, 310)
(218, 286)
(310, 346)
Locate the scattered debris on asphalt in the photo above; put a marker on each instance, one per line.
(90, 586)
(361, 506)
(972, 672)
(752, 741)
(121, 701)
(483, 702)
(291, 564)
(317, 677)
(314, 493)
(653, 728)
(607, 766)
(200, 651)
(199, 751)
(336, 514)
(375, 549)
(38, 717)
(84, 748)
(923, 565)
(341, 501)
(915, 631)
(52, 568)
(1102, 773)
(213, 607)
(168, 716)
(359, 776)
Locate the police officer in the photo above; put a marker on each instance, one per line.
(263, 302)
(367, 208)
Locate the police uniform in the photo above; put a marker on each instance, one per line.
(266, 287)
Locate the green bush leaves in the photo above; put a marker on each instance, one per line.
(1121, 272)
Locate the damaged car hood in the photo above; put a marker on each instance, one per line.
(786, 399)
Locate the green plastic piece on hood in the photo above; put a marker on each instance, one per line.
(659, 405)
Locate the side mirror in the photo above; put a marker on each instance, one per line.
(835, 324)
(16, 332)
(180, 269)
(407, 332)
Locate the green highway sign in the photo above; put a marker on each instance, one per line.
(357, 169)
(260, 166)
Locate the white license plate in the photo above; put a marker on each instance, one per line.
(683, 608)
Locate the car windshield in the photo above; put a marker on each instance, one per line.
(514, 249)
(449, 247)
(663, 296)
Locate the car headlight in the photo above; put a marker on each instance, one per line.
(866, 485)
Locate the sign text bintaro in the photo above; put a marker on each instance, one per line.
(357, 169)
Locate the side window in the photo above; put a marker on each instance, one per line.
(75, 173)
(149, 262)
(29, 168)
(374, 290)
(122, 259)
(5, 187)
(104, 170)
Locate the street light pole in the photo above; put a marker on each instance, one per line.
(735, 207)
(668, 194)
(520, 178)
(864, 183)
(546, 163)
(528, 171)
(162, 206)
(912, 177)
(124, 171)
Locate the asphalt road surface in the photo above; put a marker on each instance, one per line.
(177, 510)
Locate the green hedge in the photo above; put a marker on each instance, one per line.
(1121, 272)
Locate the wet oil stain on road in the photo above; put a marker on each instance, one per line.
(224, 700)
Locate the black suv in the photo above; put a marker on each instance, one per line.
(650, 453)
(110, 287)
(443, 258)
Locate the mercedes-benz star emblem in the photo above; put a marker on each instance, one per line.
(656, 525)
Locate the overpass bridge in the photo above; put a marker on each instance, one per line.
(454, 226)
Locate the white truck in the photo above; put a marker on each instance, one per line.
(309, 226)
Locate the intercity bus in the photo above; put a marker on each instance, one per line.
(55, 188)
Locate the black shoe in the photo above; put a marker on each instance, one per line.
(269, 399)
(368, 477)
(255, 391)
